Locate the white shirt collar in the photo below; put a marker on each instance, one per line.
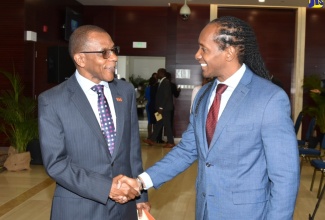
(233, 80)
(86, 84)
(162, 79)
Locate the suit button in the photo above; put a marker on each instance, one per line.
(208, 164)
(203, 194)
(112, 164)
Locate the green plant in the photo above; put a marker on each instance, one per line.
(17, 114)
(317, 108)
(140, 84)
(138, 81)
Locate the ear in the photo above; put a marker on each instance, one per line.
(79, 59)
(231, 53)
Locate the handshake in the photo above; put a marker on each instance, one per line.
(125, 189)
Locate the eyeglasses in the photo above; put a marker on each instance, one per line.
(107, 52)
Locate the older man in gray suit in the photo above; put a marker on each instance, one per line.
(76, 154)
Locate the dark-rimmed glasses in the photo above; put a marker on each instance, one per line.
(107, 52)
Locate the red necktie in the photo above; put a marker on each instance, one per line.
(212, 118)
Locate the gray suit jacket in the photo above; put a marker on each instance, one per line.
(251, 170)
(76, 155)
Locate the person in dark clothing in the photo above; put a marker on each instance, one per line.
(150, 95)
(164, 106)
(159, 138)
(176, 92)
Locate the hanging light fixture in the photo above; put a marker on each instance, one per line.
(185, 11)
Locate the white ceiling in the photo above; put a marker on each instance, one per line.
(300, 3)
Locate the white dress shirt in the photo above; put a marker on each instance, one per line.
(232, 83)
(92, 96)
(162, 79)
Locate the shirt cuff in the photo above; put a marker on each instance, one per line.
(146, 180)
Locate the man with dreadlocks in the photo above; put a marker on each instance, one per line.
(249, 167)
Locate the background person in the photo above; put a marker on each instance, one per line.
(197, 88)
(164, 106)
(176, 91)
(150, 95)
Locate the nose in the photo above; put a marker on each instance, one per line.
(113, 57)
(198, 55)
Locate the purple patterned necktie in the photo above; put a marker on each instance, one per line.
(105, 116)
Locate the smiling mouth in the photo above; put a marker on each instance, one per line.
(203, 64)
(111, 68)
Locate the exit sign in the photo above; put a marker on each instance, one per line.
(139, 44)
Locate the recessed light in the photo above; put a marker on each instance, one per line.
(261, 0)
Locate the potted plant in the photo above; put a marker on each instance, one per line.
(139, 84)
(313, 85)
(18, 122)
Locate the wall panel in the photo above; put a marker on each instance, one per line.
(12, 18)
(315, 42)
(49, 13)
(275, 38)
(165, 33)
(141, 24)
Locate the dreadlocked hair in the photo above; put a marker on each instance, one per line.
(237, 33)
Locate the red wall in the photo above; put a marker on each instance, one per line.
(164, 31)
(11, 43)
(12, 56)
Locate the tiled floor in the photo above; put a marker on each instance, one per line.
(27, 195)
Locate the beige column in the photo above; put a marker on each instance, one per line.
(213, 11)
(299, 64)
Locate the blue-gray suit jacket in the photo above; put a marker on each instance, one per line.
(251, 170)
(76, 155)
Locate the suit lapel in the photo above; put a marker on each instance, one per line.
(232, 106)
(200, 114)
(82, 104)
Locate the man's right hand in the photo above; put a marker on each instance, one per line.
(124, 189)
(135, 183)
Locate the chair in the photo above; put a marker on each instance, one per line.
(307, 146)
(298, 122)
(319, 165)
(312, 217)
(309, 132)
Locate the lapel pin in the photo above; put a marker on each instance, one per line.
(119, 99)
